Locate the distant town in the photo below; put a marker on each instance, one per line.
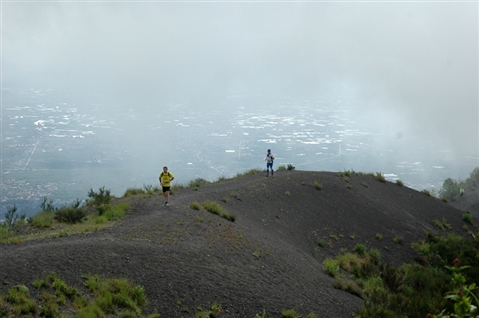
(58, 146)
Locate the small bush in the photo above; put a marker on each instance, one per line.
(365, 185)
(442, 225)
(397, 240)
(380, 177)
(12, 218)
(287, 193)
(117, 211)
(399, 183)
(444, 200)
(379, 237)
(215, 208)
(47, 205)
(349, 287)
(290, 167)
(69, 214)
(467, 217)
(374, 255)
(198, 182)
(281, 168)
(317, 185)
(101, 197)
(320, 243)
(289, 313)
(195, 206)
(426, 192)
(42, 220)
(332, 266)
(133, 191)
(360, 249)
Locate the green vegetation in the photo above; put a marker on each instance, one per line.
(101, 197)
(414, 290)
(380, 177)
(397, 239)
(426, 192)
(317, 185)
(320, 243)
(467, 217)
(215, 208)
(116, 297)
(450, 187)
(442, 225)
(66, 220)
(399, 183)
(332, 266)
(379, 237)
(197, 183)
(195, 205)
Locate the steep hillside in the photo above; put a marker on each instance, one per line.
(267, 259)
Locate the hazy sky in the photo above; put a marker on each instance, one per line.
(412, 66)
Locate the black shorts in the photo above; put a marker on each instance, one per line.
(166, 189)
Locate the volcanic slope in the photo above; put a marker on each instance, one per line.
(267, 259)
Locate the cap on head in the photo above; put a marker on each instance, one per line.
(269, 150)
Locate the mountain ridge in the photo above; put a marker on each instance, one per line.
(267, 259)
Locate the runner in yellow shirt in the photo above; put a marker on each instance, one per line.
(165, 178)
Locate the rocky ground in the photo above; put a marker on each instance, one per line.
(268, 259)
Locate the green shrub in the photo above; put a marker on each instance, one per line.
(197, 183)
(399, 183)
(365, 185)
(360, 249)
(317, 185)
(47, 205)
(442, 225)
(397, 240)
(332, 266)
(195, 205)
(281, 168)
(379, 237)
(117, 211)
(380, 177)
(444, 200)
(348, 286)
(320, 243)
(215, 208)
(289, 313)
(5, 234)
(374, 255)
(101, 197)
(69, 215)
(150, 189)
(42, 219)
(467, 217)
(12, 218)
(133, 191)
(290, 167)
(426, 192)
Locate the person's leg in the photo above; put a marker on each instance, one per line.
(268, 165)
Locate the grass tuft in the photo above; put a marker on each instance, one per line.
(215, 208)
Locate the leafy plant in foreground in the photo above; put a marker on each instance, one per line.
(463, 295)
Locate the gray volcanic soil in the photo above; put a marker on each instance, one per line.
(267, 259)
